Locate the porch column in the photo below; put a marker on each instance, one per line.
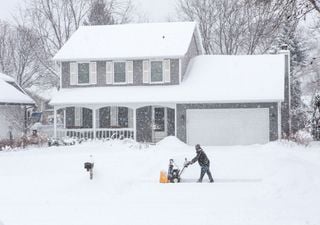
(94, 125)
(134, 124)
(54, 122)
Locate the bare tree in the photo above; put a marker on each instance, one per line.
(5, 50)
(237, 26)
(103, 12)
(18, 54)
(53, 21)
(315, 4)
(205, 13)
(24, 54)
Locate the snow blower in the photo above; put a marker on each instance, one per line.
(174, 173)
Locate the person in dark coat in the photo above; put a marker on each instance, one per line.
(204, 163)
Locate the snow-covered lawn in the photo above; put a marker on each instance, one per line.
(268, 184)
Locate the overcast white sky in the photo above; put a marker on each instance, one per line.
(155, 10)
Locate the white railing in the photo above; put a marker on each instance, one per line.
(101, 133)
(114, 133)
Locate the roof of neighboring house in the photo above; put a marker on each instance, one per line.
(11, 94)
(209, 79)
(6, 78)
(42, 93)
(128, 41)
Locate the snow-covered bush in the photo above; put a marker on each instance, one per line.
(302, 137)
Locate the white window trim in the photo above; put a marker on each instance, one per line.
(150, 69)
(109, 74)
(125, 69)
(165, 119)
(83, 84)
(146, 71)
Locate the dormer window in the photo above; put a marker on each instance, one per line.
(119, 72)
(156, 71)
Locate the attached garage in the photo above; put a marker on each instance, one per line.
(234, 100)
(227, 126)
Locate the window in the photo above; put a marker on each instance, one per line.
(104, 117)
(119, 72)
(159, 119)
(83, 73)
(123, 117)
(156, 71)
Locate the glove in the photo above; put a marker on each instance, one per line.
(188, 163)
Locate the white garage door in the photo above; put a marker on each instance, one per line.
(227, 126)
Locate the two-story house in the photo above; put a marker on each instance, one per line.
(149, 81)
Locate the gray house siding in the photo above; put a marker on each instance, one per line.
(170, 122)
(174, 71)
(65, 74)
(101, 73)
(194, 50)
(182, 114)
(86, 118)
(70, 120)
(7, 114)
(144, 129)
(137, 74)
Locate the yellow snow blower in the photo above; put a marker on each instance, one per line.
(174, 173)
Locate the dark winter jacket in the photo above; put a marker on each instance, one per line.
(202, 158)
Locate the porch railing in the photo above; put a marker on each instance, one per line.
(101, 133)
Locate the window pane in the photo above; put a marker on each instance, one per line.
(159, 119)
(83, 73)
(104, 117)
(119, 72)
(123, 117)
(156, 71)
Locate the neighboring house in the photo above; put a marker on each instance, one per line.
(149, 81)
(14, 103)
(43, 113)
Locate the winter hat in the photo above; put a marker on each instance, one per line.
(198, 148)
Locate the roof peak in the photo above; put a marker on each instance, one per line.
(140, 24)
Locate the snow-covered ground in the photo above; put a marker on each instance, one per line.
(274, 184)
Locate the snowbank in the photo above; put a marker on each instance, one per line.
(171, 142)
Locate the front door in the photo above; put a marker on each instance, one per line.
(159, 123)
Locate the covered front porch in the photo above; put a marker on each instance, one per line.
(143, 123)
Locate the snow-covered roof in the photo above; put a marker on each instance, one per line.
(6, 78)
(128, 41)
(43, 93)
(209, 79)
(11, 95)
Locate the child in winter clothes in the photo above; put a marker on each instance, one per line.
(204, 163)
